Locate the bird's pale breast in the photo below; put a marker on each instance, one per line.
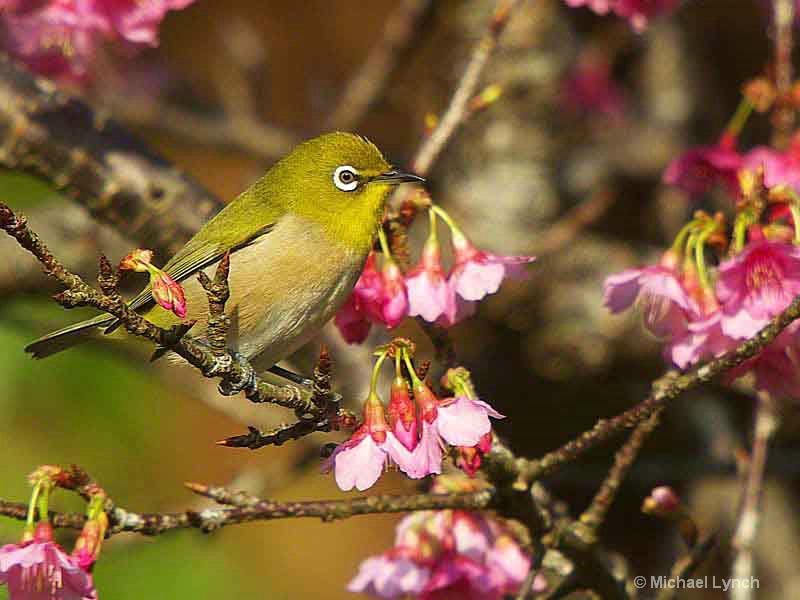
(284, 288)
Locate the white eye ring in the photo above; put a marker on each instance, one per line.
(345, 178)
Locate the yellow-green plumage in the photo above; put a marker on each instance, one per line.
(298, 243)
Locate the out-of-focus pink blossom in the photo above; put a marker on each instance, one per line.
(59, 38)
(697, 169)
(663, 299)
(756, 285)
(429, 296)
(40, 569)
(637, 12)
(590, 90)
(778, 168)
(447, 554)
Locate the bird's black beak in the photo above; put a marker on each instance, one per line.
(396, 177)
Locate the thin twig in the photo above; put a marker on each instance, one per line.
(367, 85)
(767, 421)
(458, 108)
(79, 293)
(783, 119)
(623, 460)
(686, 566)
(665, 389)
(262, 510)
(569, 226)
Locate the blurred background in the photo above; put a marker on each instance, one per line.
(566, 165)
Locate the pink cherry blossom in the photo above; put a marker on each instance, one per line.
(779, 168)
(359, 461)
(446, 554)
(351, 322)
(389, 576)
(429, 296)
(403, 414)
(757, 284)
(39, 569)
(477, 273)
(469, 458)
(394, 299)
(697, 169)
(637, 12)
(702, 339)
(589, 88)
(663, 298)
(463, 422)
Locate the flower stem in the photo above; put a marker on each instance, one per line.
(447, 219)
(411, 371)
(699, 256)
(387, 253)
(739, 118)
(433, 237)
(680, 239)
(43, 501)
(29, 521)
(373, 384)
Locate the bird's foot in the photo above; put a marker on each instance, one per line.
(291, 376)
(247, 383)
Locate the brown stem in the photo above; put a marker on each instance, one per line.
(783, 119)
(252, 509)
(767, 421)
(623, 461)
(686, 566)
(50, 134)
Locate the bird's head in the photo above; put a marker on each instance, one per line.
(341, 181)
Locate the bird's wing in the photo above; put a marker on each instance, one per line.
(195, 256)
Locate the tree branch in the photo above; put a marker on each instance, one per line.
(50, 134)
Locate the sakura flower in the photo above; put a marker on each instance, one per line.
(389, 576)
(662, 296)
(696, 170)
(469, 458)
(757, 284)
(477, 273)
(167, 292)
(40, 569)
(429, 296)
(359, 461)
(60, 37)
(702, 339)
(446, 554)
(403, 414)
(351, 322)
(637, 12)
(463, 422)
(394, 299)
(589, 88)
(778, 168)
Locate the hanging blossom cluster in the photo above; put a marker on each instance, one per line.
(448, 554)
(637, 12)
(412, 432)
(59, 38)
(167, 292)
(38, 568)
(387, 296)
(715, 286)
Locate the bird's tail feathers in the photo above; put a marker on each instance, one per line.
(67, 337)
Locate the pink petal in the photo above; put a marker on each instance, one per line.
(359, 465)
(464, 422)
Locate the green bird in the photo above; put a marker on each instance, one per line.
(298, 238)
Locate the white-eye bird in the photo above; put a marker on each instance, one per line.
(298, 238)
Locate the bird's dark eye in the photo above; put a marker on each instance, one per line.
(345, 178)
